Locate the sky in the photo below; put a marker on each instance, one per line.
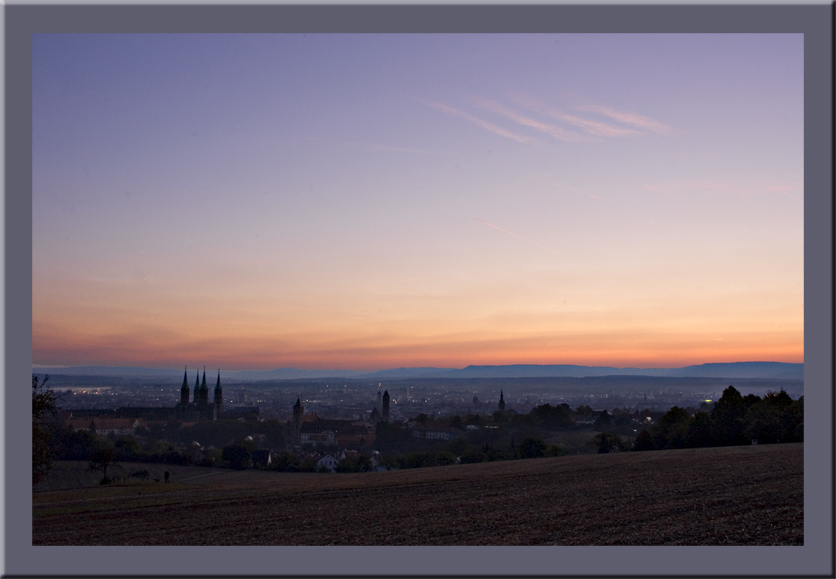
(370, 201)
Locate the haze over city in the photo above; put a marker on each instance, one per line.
(365, 202)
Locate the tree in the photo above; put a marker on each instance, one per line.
(699, 431)
(103, 458)
(672, 429)
(644, 440)
(44, 406)
(473, 454)
(553, 417)
(774, 419)
(532, 447)
(607, 442)
(127, 448)
(390, 437)
(239, 456)
(456, 422)
(727, 418)
(603, 421)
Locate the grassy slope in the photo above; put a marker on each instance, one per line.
(718, 496)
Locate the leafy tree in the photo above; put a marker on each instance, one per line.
(607, 442)
(699, 431)
(72, 444)
(391, 437)
(553, 417)
(774, 419)
(473, 419)
(532, 447)
(473, 454)
(458, 445)
(672, 429)
(763, 423)
(44, 406)
(794, 421)
(444, 458)
(727, 418)
(499, 417)
(456, 422)
(239, 456)
(554, 450)
(307, 465)
(127, 448)
(644, 441)
(603, 421)
(347, 464)
(285, 462)
(102, 458)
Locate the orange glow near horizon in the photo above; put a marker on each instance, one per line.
(649, 350)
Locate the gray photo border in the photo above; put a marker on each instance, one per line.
(814, 559)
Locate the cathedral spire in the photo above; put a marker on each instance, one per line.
(219, 397)
(184, 390)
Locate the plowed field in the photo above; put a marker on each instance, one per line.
(749, 495)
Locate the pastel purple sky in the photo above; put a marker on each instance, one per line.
(371, 201)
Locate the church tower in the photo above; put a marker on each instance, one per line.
(204, 390)
(298, 414)
(501, 401)
(184, 391)
(386, 406)
(219, 397)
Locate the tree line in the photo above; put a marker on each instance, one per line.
(734, 420)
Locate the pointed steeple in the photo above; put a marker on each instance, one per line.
(219, 397)
(184, 390)
(203, 386)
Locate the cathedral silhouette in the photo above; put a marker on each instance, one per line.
(199, 408)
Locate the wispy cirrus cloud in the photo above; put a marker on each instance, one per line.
(591, 126)
(551, 130)
(631, 119)
(585, 124)
(484, 124)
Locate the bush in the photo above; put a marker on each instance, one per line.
(238, 456)
(532, 447)
(644, 441)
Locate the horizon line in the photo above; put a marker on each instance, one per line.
(61, 366)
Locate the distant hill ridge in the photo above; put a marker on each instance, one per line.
(767, 370)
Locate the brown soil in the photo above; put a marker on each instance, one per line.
(715, 496)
